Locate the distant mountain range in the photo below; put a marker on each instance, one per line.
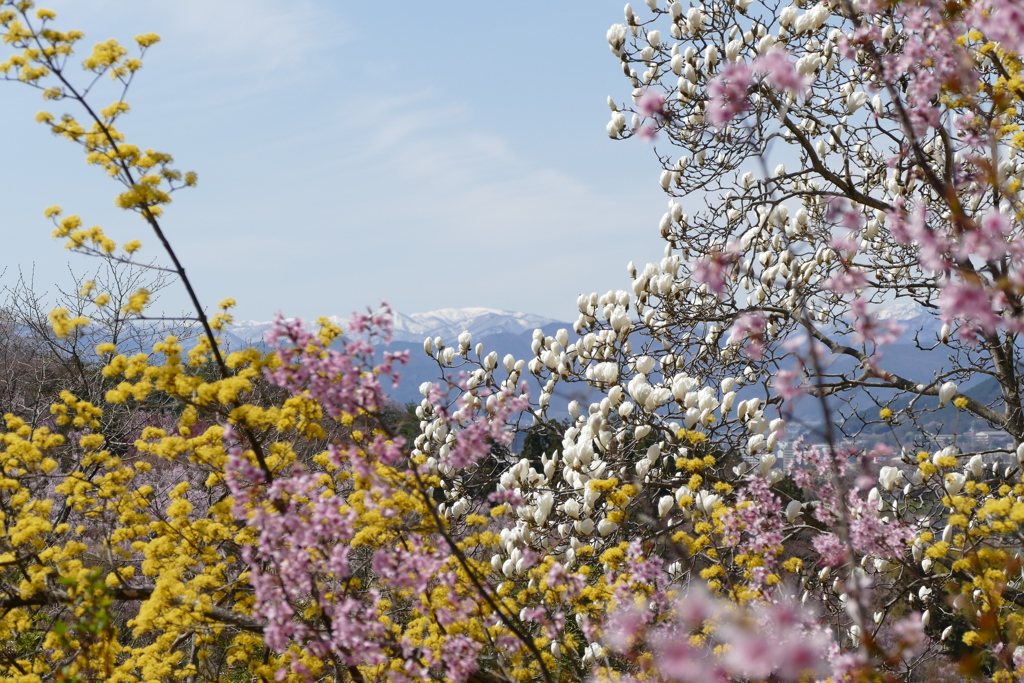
(501, 331)
(447, 323)
(512, 332)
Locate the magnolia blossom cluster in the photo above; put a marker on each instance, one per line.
(636, 389)
(570, 503)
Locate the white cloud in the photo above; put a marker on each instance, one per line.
(246, 39)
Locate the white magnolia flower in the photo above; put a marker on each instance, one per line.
(665, 504)
(732, 50)
(710, 57)
(787, 15)
(727, 402)
(955, 483)
(767, 462)
(889, 477)
(976, 466)
(695, 19)
(544, 505)
(855, 101)
(606, 372)
(706, 502)
(616, 37)
(584, 526)
(946, 392)
(875, 498)
(644, 364)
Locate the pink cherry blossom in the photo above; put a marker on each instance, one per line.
(727, 94)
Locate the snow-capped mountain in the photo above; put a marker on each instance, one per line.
(245, 332)
(900, 310)
(448, 323)
(913, 317)
(500, 331)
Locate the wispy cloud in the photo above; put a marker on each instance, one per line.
(262, 34)
(411, 200)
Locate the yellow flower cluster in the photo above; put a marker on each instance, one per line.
(63, 324)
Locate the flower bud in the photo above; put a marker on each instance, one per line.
(793, 510)
(710, 57)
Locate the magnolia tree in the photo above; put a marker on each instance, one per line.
(897, 122)
(895, 129)
(266, 523)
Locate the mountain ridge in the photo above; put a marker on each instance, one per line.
(447, 323)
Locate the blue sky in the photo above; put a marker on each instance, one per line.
(431, 155)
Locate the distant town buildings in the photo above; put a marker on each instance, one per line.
(995, 447)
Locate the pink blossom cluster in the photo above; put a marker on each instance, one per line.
(727, 92)
(343, 380)
(968, 293)
(300, 566)
(717, 267)
(818, 469)
(305, 586)
(303, 540)
(749, 330)
(775, 640)
(650, 105)
(756, 526)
